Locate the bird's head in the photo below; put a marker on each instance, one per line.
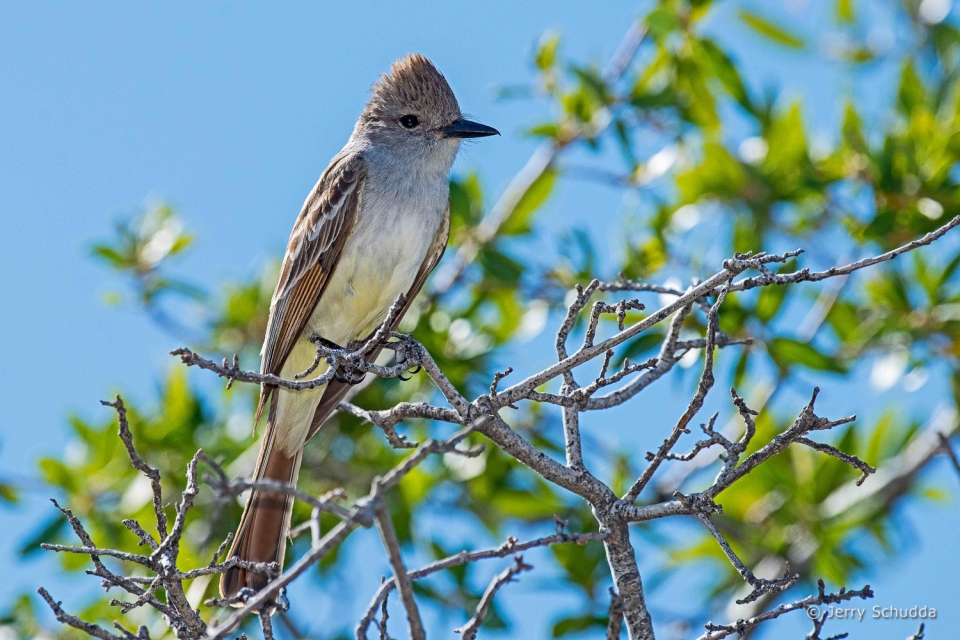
(414, 112)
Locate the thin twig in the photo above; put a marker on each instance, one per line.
(138, 463)
(614, 616)
(703, 388)
(948, 449)
(469, 630)
(388, 535)
(65, 618)
(741, 627)
(511, 546)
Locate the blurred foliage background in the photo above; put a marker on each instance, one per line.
(708, 168)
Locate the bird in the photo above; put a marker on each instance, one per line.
(370, 231)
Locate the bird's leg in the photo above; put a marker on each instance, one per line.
(344, 372)
(344, 378)
(401, 358)
(329, 344)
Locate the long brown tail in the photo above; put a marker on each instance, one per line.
(262, 534)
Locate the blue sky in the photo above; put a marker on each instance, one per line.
(229, 112)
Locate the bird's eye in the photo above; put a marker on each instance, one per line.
(410, 121)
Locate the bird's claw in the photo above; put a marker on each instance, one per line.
(350, 381)
(327, 344)
(411, 373)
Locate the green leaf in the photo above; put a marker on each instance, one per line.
(581, 563)
(725, 71)
(699, 105)
(740, 370)
(769, 301)
(109, 254)
(639, 98)
(8, 493)
(787, 352)
(949, 270)
(518, 222)
(546, 55)
(47, 531)
(593, 82)
(852, 129)
(858, 55)
(935, 494)
(719, 174)
(545, 130)
(787, 145)
(466, 200)
(661, 22)
(878, 441)
(500, 267)
(645, 343)
(576, 624)
(911, 93)
(843, 320)
(845, 11)
(58, 474)
(770, 30)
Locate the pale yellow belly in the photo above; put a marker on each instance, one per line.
(355, 303)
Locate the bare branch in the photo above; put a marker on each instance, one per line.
(220, 550)
(948, 449)
(818, 627)
(361, 515)
(703, 388)
(511, 546)
(731, 268)
(731, 471)
(388, 419)
(228, 489)
(805, 275)
(666, 358)
(185, 503)
(127, 607)
(96, 551)
(138, 463)
(483, 416)
(337, 358)
(626, 577)
(388, 535)
(576, 306)
(741, 627)
(701, 507)
(266, 624)
(853, 461)
(470, 629)
(145, 538)
(806, 422)
(614, 616)
(75, 622)
(383, 617)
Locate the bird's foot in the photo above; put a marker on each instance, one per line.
(401, 359)
(345, 373)
(327, 344)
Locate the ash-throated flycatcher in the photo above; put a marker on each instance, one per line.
(373, 227)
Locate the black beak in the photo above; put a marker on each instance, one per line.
(462, 128)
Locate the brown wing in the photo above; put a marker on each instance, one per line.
(314, 249)
(335, 391)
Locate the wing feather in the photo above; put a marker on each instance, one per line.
(335, 391)
(313, 251)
